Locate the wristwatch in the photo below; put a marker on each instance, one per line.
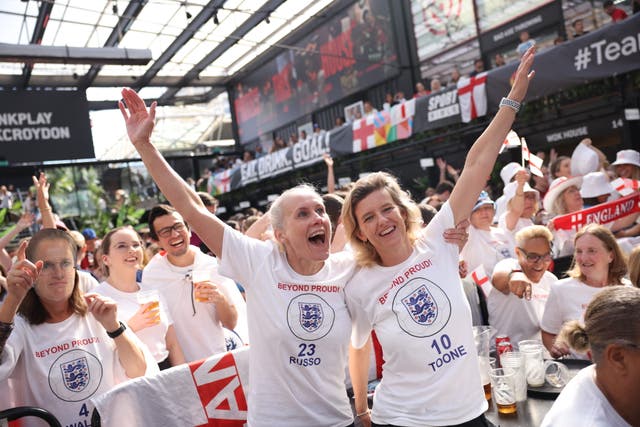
(514, 105)
(117, 332)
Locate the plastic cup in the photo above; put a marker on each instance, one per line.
(556, 373)
(152, 299)
(515, 360)
(199, 277)
(504, 389)
(533, 361)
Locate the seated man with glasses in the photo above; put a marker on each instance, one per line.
(521, 286)
(201, 302)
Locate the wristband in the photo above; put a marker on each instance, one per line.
(361, 414)
(514, 105)
(117, 332)
(517, 270)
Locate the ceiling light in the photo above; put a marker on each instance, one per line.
(266, 18)
(215, 18)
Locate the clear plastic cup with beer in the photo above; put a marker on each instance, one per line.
(504, 390)
(482, 338)
(150, 298)
(200, 279)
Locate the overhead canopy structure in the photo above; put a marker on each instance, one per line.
(197, 46)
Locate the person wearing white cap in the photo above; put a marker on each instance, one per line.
(507, 173)
(627, 164)
(486, 245)
(522, 201)
(562, 198)
(595, 189)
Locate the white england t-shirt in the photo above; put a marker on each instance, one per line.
(568, 300)
(487, 248)
(423, 321)
(299, 328)
(519, 318)
(198, 329)
(154, 337)
(60, 366)
(582, 404)
(520, 224)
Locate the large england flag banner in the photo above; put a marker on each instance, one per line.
(210, 392)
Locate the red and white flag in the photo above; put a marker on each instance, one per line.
(625, 186)
(599, 214)
(480, 278)
(535, 162)
(472, 96)
(364, 134)
(512, 140)
(209, 392)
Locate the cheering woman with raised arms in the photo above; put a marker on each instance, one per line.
(409, 292)
(299, 325)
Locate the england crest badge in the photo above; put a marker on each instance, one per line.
(311, 316)
(421, 306)
(75, 374)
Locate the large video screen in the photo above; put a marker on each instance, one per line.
(353, 50)
(441, 24)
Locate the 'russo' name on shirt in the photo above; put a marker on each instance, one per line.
(66, 346)
(403, 277)
(296, 287)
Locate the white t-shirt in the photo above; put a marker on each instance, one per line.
(86, 281)
(299, 328)
(487, 248)
(522, 223)
(59, 366)
(515, 317)
(422, 318)
(154, 337)
(568, 299)
(582, 404)
(198, 329)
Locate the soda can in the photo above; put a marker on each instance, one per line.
(504, 347)
(502, 338)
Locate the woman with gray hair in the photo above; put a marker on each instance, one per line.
(298, 319)
(605, 393)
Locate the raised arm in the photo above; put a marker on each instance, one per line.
(482, 155)
(331, 178)
(140, 122)
(42, 191)
(25, 221)
(516, 205)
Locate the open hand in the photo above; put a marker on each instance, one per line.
(138, 119)
(523, 76)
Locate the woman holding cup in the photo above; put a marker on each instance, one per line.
(121, 257)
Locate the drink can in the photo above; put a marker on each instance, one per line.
(502, 338)
(504, 347)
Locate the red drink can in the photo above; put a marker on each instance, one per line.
(504, 347)
(503, 344)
